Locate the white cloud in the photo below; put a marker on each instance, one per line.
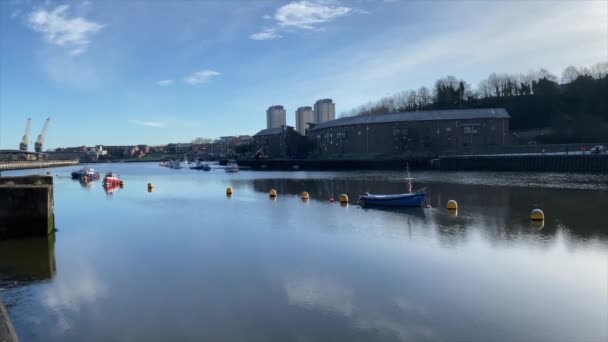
(202, 76)
(266, 34)
(307, 15)
(155, 124)
(62, 30)
(303, 15)
(164, 83)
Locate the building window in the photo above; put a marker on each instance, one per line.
(471, 129)
(342, 135)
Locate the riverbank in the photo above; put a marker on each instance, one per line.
(7, 331)
(593, 163)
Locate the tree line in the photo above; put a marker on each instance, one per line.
(573, 108)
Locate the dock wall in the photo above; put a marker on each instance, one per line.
(20, 165)
(542, 163)
(546, 163)
(26, 206)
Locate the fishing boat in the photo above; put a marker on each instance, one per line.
(111, 180)
(409, 199)
(198, 166)
(232, 166)
(89, 176)
(79, 173)
(86, 174)
(175, 164)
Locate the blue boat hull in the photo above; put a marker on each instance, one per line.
(416, 199)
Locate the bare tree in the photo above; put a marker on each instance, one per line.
(425, 98)
(599, 70)
(570, 74)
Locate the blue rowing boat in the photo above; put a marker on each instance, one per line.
(415, 199)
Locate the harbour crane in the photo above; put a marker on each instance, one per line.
(25, 141)
(40, 140)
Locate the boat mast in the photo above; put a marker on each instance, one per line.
(409, 179)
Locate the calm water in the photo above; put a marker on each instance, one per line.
(185, 263)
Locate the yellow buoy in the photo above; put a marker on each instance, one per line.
(150, 189)
(229, 191)
(344, 199)
(305, 196)
(272, 193)
(452, 205)
(453, 212)
(537, 215)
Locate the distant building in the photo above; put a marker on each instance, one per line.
(304, 116)
(276, 117)
(415, 133)
(282, 142)
(325, 110)
(179, 148)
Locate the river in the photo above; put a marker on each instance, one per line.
(186, 263)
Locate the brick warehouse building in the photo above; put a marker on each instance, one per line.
(281, 142)
(423, 132)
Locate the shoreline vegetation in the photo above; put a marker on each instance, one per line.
(567, 110)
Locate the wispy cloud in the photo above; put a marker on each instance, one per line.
(156, 124)
(266, 34)
(303, 15)
(201, 77)
(165, 83)
(307, 15)
(62, 30)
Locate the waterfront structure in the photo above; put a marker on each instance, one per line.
(304, 116)
(420, 133)
(325, 110)
(279, 142)
(276, 117)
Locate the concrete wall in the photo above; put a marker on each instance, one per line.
(26, 206)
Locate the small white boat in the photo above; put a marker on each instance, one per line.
(176, 165)
(232, 166)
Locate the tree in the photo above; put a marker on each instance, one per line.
(570, 74)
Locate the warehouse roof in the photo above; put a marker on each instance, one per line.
(428, 115)
(274, 131)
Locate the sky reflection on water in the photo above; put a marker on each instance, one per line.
(186, 263)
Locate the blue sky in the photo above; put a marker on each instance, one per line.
(155, 71)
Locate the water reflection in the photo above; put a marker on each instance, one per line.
(28, 259)
(504, 210)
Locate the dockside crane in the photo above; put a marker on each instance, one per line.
(25, 141)
(40, 140)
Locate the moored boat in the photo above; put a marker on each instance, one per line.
(232, 166)
(415, 199)
(79, 173)
(199, 166)
(409, 199)
(111, 180)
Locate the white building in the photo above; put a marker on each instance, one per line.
(276, 117)
(304, 116)
(325, 110)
